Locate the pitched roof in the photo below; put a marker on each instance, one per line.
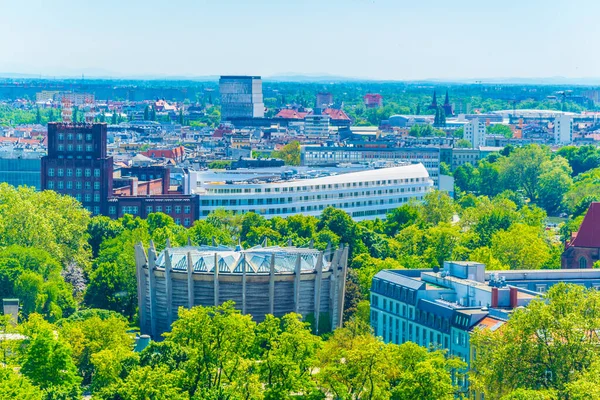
(589, 231)
(288, 113)
(336, 114)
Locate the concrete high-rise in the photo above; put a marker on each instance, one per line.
(241, 97)
(563, 129)
(474, 132)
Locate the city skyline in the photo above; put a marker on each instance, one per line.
(378, 39)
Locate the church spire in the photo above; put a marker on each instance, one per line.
(433, 105)
(447, 106)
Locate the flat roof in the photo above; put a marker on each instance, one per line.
(404, 172)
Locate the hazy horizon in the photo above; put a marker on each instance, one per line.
(367, 40)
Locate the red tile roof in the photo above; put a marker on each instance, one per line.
(589, 231)
(287, 113)
(176, 153)
(336, 114)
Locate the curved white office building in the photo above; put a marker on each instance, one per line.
(364, 194)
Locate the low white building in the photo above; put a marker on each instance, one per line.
(366, 194)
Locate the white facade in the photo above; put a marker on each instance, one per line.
(563, 129)
(475, 133)
(316, 125)
(363, 195)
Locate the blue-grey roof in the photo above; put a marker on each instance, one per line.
(436, 308)
(401, 280)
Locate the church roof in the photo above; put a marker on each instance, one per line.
(589, 232)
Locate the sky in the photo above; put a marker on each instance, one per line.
(372, 39)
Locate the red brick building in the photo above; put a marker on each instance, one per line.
(77, 165)
(583, 249)
(373, 100)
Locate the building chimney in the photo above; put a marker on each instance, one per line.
(494, 297)
(513, 297)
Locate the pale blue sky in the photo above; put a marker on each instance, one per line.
(381, 39)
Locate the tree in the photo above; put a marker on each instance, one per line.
(92, 335)
(148, 383)
(218, 341)
(437, 207)
(45, 220)
(522, 169)
(463, 144)
(47, 363)
(112, 287)
(290, 153)
(16, 386)
(545, 346)
(287, 351)
(400, 218)
(147, 113)
(355, 365)
(114, 116)
(101, 228)
(499, 129)
(38, 116)
(520, 247)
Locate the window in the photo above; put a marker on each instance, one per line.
(79, 147)
(50, 171)
(97, 172)
(78, 172)
(69, 147)
(158, 208)
(69, 137)
(178, 221)
(88, 137)
(178, 209)
(69, 185)
(96, 185)
(88, 185)
(582, 262)
(60, 185)
(88, 147)
(61, 172)
(88, 197)
(78, 196)
(96, 198)
(50, 184)
(61, 147)
(148, 209)
(168, 209)
(61, 136)
(186, 222)
(69, 172)
(112, 210)
(186, 209)
(78, 185)
(88, 172)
